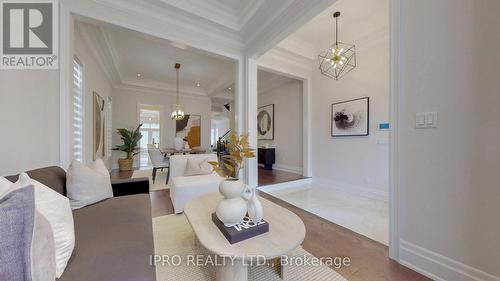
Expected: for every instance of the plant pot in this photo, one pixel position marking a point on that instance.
(125, 164)
(232, 209)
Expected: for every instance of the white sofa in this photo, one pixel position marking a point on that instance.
(183, 189)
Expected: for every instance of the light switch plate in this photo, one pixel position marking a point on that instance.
(420, 120)
(426, 120)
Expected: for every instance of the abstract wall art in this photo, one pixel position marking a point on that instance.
(350, 118)
(265, 122)
(189, 129)
(99, 126)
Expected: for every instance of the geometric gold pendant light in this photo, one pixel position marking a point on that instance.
(338, 59)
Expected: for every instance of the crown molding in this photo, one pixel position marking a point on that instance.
(159, 91)
(114, 55)
(249, 11)
(152, 19)
(209, 10)
(299, 47)
(98, 51)
(269, 13)
(220, 85)
(161, 86)
(254, 30)
(285, 61)
(273, 84)
(104, 51)
(287, 20)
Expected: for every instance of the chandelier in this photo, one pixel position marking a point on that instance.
(339, 58)
(177, 111)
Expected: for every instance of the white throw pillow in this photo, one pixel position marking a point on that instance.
(56, 209)
(195, 168)
(88, 185)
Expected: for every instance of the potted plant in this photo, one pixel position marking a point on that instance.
(233, 208)
(130, 146)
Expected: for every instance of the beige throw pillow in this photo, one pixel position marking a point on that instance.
(88, 185)
(196, 168)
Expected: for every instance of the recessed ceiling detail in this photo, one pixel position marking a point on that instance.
(136, 59)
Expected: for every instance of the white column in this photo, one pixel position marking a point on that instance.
(251, 171)
(246, 111)
(66, 31)
(306, 128)
(239, 96)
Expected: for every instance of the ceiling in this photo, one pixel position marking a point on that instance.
(360, 23)
(232, 28)
(230, 14)
(128, 53)
(240, 16)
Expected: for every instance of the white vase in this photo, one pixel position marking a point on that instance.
(232, 209)
(255, 211)
(178, 143)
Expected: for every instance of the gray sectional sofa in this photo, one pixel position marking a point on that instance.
(114, 237)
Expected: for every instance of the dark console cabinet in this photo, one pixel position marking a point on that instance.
(267, 156)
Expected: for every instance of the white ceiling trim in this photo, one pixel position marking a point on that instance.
(159, 91)
(99, 53)
(273, 83)
(183, 89)
(220, 85)
(285, 23)
(114, 56)
(284, 61)
(150, 19)
(249, 11)
(105, 54)
(256, 27)
(218, 14)
(298, 47)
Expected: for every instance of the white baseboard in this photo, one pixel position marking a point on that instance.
(439, 267)
(360, 190)
(285, 185)
(286, 168)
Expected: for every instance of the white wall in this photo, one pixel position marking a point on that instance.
(29, 119)
(356, 163)
(450, 191)
(126, 114)
(287, 100)
(94, 79)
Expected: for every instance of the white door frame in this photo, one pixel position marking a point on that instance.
(394, 94)
(306, 113)
(67, 12)
(245, 100)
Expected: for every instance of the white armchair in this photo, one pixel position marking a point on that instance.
(182, 188)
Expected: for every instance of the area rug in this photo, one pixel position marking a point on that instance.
(173, 236)
(160, 181)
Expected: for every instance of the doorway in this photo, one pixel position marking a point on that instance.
(279, 128)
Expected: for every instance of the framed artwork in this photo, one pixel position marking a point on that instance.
(189, 129)
(350, 118)
(265, 122)
(99, 126)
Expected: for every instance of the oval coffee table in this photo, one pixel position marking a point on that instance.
(286, 233)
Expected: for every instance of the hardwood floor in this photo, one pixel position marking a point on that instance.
(369, 259)
(267, 177)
